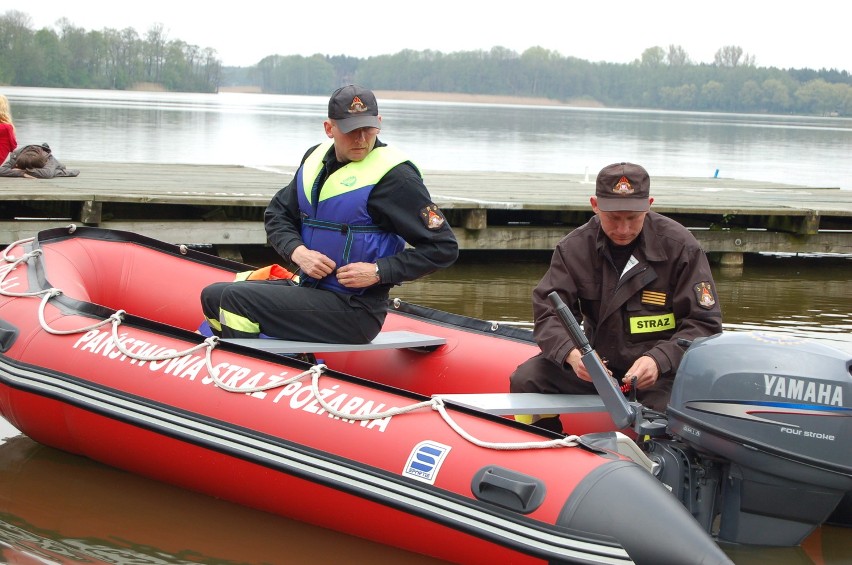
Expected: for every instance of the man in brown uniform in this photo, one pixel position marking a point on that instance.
(638, 281)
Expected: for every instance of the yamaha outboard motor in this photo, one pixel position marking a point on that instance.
(762, 428)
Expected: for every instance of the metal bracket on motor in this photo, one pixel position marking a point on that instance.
(622, 412)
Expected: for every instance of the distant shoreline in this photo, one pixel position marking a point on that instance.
(454, 97)
(479, 98)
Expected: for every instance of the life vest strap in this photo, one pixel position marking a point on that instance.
(346, 229)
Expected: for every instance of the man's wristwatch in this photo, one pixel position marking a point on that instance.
(378, 276)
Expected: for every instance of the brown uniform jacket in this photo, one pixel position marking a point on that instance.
(668, 295)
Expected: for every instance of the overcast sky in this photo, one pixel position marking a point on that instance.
(812, 34)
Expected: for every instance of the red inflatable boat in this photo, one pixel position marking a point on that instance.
(99, 357)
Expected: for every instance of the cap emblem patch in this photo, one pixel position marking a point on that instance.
(357, 106)
(623, 186)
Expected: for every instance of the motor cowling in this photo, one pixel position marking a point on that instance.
(776, 410)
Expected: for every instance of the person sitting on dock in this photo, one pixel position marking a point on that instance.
(344, 220)
(638, 281)
(8, 142)
(35, 162)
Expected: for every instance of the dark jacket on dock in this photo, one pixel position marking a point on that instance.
(48, 166)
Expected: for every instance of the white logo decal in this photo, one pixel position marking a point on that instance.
(425, 461)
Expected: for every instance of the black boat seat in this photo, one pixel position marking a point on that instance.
(396, 339)
(506, 403)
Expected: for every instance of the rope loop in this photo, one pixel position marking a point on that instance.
(9, 258)
(214, 373)
(15, 261)
(50, 293)
(440, 406)
(374, 416)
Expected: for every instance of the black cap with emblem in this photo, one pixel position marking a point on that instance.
(623, 187)
(353, 107)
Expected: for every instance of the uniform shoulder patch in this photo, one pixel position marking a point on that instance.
(432, 217)
(704, 295)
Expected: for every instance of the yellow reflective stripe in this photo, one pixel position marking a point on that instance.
(312, 167)
(352, 176)
(214, 324)
(238, 323)
(357, 174)
(647, 324)
(532, 418)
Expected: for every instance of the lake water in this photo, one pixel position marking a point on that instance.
(123, 518)
(258, 129)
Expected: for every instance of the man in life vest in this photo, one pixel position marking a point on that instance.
(638, 281)
(344, 221)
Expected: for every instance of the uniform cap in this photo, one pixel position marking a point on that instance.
(623, 187)
(353, 107)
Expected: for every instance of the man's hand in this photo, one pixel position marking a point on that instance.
(645, 370)
(575, 359)
(358, 275)
(313, 263)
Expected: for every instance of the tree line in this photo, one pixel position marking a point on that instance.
(71, 57)
(661, 78)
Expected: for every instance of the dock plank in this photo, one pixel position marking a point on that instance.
(223, 204)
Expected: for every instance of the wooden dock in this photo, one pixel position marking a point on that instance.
(222, 205)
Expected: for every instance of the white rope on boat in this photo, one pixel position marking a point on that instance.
(567, 441)
(116, 318)
(15, 262)
(214, 374)
(9, 258)
(46, 327)
(435, 403)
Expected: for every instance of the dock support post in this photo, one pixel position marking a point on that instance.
(231, 252)
(732, 263)
(731, 260)
(91, 212)
(476, 219)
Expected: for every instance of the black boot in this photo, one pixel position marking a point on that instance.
(553, 423)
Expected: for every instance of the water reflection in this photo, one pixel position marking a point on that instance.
(268, 130)
(801, 296)
(60, 508)
(829, 545)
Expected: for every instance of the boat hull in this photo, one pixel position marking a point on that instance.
(109, 368)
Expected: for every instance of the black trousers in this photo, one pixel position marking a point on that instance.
(539, 374)
(285, 311)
